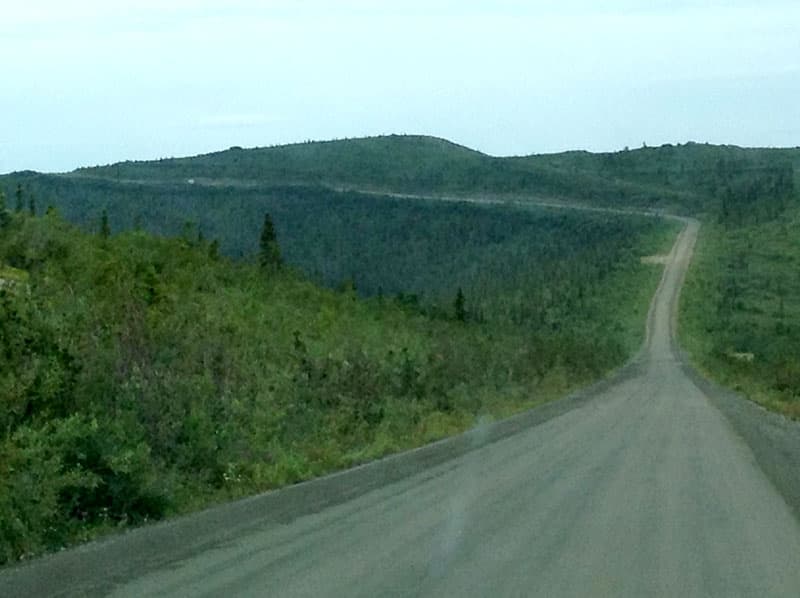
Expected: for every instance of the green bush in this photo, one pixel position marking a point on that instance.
(142, 377)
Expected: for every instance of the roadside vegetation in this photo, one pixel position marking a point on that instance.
(741, 302)
(740, 311)
(221, 325)
(144, 376)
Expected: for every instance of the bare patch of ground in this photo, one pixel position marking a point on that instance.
(655, 259)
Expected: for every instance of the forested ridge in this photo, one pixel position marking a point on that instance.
(145, 375)
(161, 195)
(156, 358)
(685, 177)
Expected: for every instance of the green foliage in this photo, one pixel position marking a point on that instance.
(741, 306)
(269, 255)
(5, 216)
(690, 178)
(105, 229)
(340, 236)
(231, 190)
(19, 195)
(459, 306)
(142, 377)
(213, 250)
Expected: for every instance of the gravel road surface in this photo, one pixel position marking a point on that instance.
(644, 488)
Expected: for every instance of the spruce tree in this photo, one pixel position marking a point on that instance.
(19, 195)
(459, 306)
(213, 250)
(5, 218)
(105, 229)
(269, 254)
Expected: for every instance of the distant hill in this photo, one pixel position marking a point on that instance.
(224, 192)
(396, 163)
(676, 177)
(383, 161)
(693, 170)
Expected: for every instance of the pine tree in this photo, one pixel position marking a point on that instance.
(270, 254)
(5, 218)
(19, 195)
(213, 250)
(105, 229)
(459, 306)
(32, 204)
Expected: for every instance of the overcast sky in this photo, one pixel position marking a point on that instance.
(96, 81)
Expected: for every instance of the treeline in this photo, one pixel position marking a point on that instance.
(691, 178)
(397, 163)
(742, 300)
(524, 266)
(683, 178)
(144, 376)
(750, 194)
(400, 163)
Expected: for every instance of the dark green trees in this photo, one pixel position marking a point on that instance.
(213, 250)
(460, 307)
(269, 257)
(4, 216)
(105, 229)
(19, 196)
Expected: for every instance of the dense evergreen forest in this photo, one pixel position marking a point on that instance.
(424, 250)
(146, 375)
(688, 178)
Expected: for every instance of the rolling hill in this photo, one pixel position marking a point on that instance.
(683, 178)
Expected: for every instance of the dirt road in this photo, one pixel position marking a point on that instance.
(644, 489)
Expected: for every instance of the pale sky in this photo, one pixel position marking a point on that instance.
(96, 81)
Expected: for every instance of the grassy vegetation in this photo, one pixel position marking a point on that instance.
(741, 307)
(146, 376)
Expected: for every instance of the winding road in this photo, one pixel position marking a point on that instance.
(643, 489)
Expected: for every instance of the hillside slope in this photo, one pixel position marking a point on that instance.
(744, 195)
(144, 376)
(683, 177)
(398, 163)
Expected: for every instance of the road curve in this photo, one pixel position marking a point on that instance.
(644, 490)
